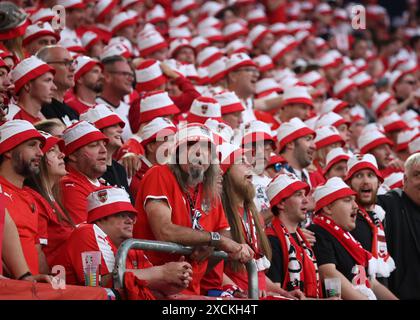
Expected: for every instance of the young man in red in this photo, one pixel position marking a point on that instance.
(34, 86)
(179, 202)
(20, 156)
(85, 161)
(110, 222)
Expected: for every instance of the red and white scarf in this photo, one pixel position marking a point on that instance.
(384, 263)
(300, 266)
(251, 238)
(362, 257)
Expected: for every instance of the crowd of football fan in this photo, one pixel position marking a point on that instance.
(285, 133)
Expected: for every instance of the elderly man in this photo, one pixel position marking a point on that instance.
(179, 203)
(403, 231)
(62, 62)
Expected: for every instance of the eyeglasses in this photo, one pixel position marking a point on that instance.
(66, 63)
(125, 215)
(123, 73)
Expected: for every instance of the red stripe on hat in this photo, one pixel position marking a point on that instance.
(383, 105)
(191, 118)
(289, 191)
(156, 47)
(108, 121)
(217, 77)
(51, 142)
(376, 143)
(39, 35)
(86, 68)
(290, 47)
(295, 135)
(260, 36)
(329, 140)
(235, 107)
(161, 133)
(298, 100)
(341, 93)
(103, 14)
(147, 116)
(125, 23)
(233, 36)
(255, 137)
(396, 126)
(214, 57)
(109, 210)
(151, 85)
(325, 201)
(361, 166)
(267, 67)
(84, 140)
(19, 138)
(335, 161)
(34, 73)
(229, 161)
(245, 63)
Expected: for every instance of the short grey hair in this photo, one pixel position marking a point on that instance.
(44, 53)
(413, 160)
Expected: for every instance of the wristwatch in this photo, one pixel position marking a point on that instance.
(214, 239)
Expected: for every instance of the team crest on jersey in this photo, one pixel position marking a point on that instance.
(102, 196)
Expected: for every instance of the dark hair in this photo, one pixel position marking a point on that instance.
(109, 61)
(275, 211)
(48, 125)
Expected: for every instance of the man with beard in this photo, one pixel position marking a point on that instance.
(402, 229)
(241, 79)
(34, 86)
(293, 264)
(179, 202)
(89, 82)
(86, 155)
(60, 59)
(20, 156)
(245, 222)
(338, 254)
(118, 82)
(297, 147)
(363, 177)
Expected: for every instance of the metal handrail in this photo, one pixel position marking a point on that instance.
(169, 247)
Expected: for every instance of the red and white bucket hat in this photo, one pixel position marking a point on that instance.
(335, 156)
(106, 202)
(155, 130)
(229, 154)
(203, 108)
(297, 94)
(371, 139)
(156, 104)
(360, 162)
(101, 117)
(39, 30)
(292, 130)
(149, 75)
(283, 186)
(84, 64)
(335, 188)
(326, 136)
(80, 134)
(229, 102)
(255, 131)
(15, 132)
(27, 70)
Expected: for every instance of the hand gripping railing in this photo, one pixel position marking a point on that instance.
(169, 247)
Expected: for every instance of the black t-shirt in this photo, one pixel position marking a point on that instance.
(61, 111)
(329, 250)
(276, 273)
(116, 176)
(402, 231)
(363, 232)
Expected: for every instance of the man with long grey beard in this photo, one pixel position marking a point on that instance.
(179, 202)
